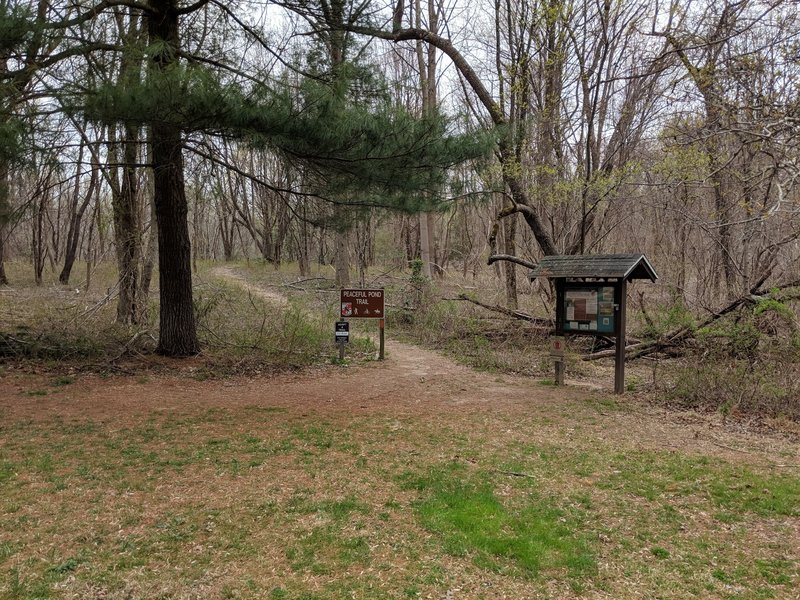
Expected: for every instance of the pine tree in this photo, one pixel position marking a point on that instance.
(365, 153)
(21, 43)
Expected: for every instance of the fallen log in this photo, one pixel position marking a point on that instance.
(516, 314)
(677, 336)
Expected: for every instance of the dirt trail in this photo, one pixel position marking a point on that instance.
(412, 381)
(231, 275)
(414, 361)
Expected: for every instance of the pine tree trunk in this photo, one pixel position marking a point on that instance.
(5, 205)
(5, 214)
(178, 334)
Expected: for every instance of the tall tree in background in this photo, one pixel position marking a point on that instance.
(595, 37)
(740, 60)
(332, 60)
(23, 49)
(426, 63)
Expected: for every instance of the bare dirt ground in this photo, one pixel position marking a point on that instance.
(411, 381)
(413, 389)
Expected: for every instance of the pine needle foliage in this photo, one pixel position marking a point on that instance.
(17, 28)
(369, 153)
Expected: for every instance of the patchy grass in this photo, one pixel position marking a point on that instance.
(198, 501)
(533, 538)
(411, 490)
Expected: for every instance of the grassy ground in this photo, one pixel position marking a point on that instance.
(417, 478)
(260, 496)
(71, 328)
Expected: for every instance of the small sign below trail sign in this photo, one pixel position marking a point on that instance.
(365, 304)
(342, 334)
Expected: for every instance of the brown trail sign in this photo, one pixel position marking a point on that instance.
(364, 304)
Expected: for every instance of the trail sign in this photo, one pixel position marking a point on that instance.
(557, 345)
(342, 334)
(363, 304)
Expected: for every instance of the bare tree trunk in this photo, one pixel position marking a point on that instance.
(90, 245)
(147, 274)
(73, 228)
(426, 61)
(342, 257)
(425, 245)
(39, 246)
(303, 251)
(364, 248)
(510, 245)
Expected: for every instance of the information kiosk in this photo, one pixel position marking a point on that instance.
(591, 291)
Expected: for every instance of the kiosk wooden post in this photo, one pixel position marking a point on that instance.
(621, 293)
(557, 347)
(382, 339)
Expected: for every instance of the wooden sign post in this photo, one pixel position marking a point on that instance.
(557, 346)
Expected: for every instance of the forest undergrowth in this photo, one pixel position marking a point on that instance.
(744, 366)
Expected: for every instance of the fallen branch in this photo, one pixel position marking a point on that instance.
(516, 474)
(294, 283)
(398, 307)
(516, 314)
(678, 336)
(514, 259)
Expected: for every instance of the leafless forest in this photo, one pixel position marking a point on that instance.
(669, 128)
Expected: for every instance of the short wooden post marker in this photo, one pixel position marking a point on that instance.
(557, 346)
